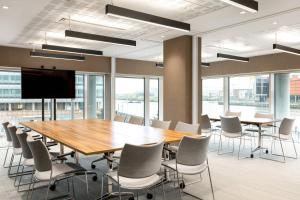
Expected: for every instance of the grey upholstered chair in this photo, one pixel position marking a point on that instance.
(26, 154)
(160, 124)
(261, 115)
(231, 128)
(17, 150)
(138, 169)
(191, 159)
(46, 171)
(120, 118)
(136, 120)
(8, 140)
(283, 134)
(189, 128)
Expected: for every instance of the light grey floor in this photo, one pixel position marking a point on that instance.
(233, 179)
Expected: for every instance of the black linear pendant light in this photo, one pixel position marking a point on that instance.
(249, 5)
(232, 57)
(286, 49)
(71, 50)
(204, 64)
(144, 17)
(101, 38)
(56, 56)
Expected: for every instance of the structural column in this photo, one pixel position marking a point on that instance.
(282, 95)
(181, 87)
(91, 97)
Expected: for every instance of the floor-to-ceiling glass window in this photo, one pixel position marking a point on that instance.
(154, 98)
(95, 96)
(249, 94)
(130, 96)
(213, 96)
(295, 96)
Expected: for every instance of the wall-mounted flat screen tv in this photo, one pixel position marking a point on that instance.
(47, 83)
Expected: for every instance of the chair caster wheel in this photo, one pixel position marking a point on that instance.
(267, 151)
(93, 166)
(131, 198)
(251, 156)
(95, 178)
(52, 187)
(182, 185)
(149, 196)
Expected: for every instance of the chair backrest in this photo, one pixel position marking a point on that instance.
(263, 115)
(8, 137)
(140, 161)
(41, 157)
(233, 114)
(160, 124)
(231, 125)
(120, 118)
(136, 120)
(192, 151)
(286, 126)
(205, 122)
(189, 128)
(22, 136)
(13, 133)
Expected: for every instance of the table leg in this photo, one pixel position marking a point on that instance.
(76, 157)
(259, 146)
(110, 167)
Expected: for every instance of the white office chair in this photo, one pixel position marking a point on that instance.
(8, 140)
(231, 128)
(191, 159)
(120, 118)
(136, 120)
(284, 134)
(160, 124)
(137, 170)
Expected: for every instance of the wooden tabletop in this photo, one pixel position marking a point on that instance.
(251, 120)
(94, 136)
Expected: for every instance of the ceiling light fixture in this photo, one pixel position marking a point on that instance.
(112, 10)
(71, 50)
(159, 65)
(204, 64)
(232, 57)
(101, 38)
(243, 12)
(56, 56)
(286, 49)
(5, 7)
(248, 5)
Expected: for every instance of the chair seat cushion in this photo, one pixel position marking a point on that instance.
(185, 169)
(134, 183)
(58, 169)
(231, 135)
(28, 162)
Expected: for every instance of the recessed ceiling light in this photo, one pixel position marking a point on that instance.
(162, 36)
(5, 7)
(274, 23)
(243, 12)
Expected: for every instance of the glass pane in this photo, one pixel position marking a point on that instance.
(295, 96)
(95, 100)
(154, 98)
(79, 100)
(212, 96)
(12, 107)
(249, 95)
(130, 96)
(63, 109)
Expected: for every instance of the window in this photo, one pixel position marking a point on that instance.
(212, 96)
(249, 94)
(130, 96)
(154, 100)
(95, 96)
(295, 95)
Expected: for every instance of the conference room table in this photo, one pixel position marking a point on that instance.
(96, 136)
(255, 121)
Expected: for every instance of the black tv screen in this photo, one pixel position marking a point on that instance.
(47, 83)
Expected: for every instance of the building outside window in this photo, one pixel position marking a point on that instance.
(154, 98)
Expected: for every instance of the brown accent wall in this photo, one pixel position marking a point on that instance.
(138, 67)
(257, 64)
(19, 57)
(178, 79)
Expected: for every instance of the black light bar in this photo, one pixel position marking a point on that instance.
(159, 64)
(56, 56)
(204, 64)
(249, 5)
(232, 57)
(101, 38)
(144, 17)
(71, 50)
(286, 49)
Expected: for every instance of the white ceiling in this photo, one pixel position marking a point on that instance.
(223, 29)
